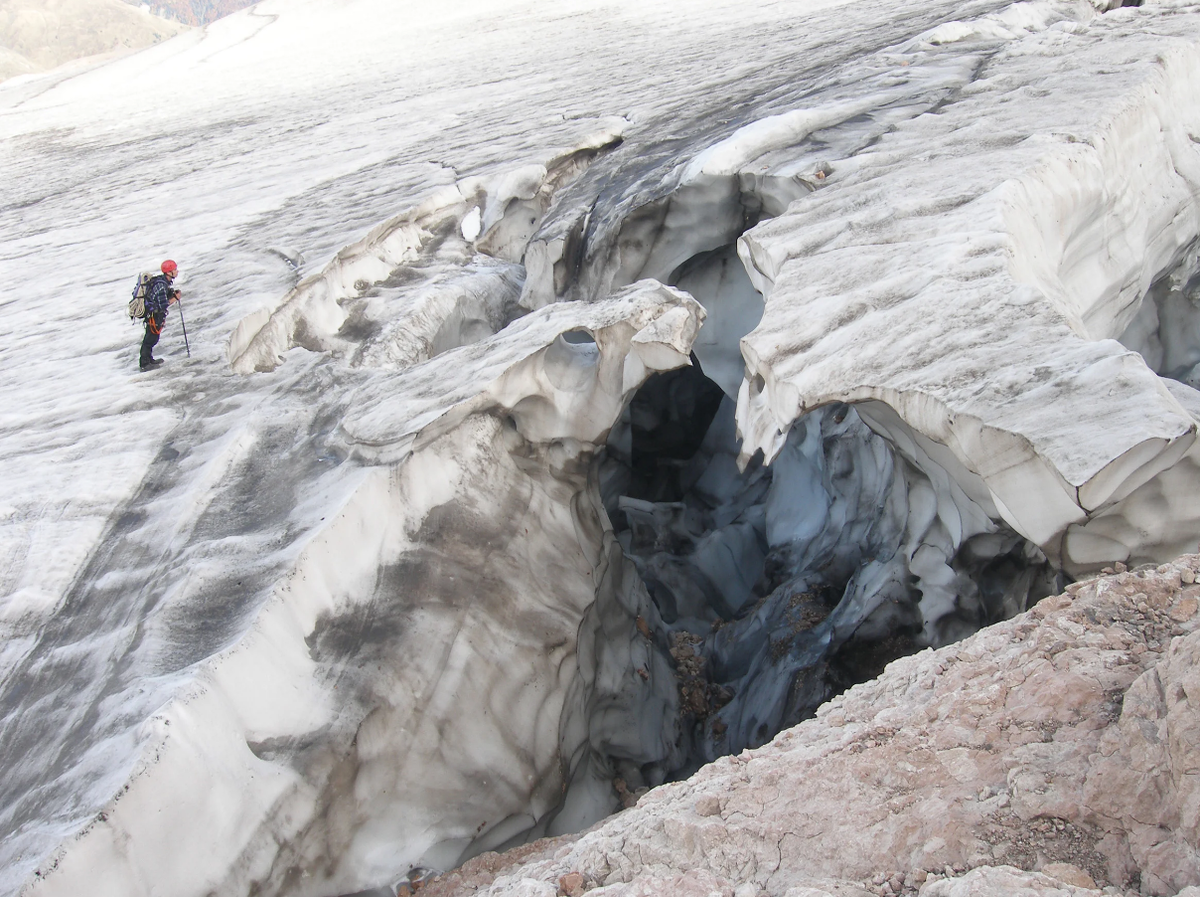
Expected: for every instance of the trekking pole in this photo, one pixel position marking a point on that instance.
(179, 302)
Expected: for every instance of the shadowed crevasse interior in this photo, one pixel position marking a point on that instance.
(735, 602)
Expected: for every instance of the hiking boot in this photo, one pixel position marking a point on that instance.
(151, 364)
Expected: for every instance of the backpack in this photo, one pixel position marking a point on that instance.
(137, 305)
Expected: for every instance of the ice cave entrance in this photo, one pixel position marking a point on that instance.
(776, 587)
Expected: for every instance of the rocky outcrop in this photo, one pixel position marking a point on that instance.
(36, 36)
(1056, 753)
(13, 63)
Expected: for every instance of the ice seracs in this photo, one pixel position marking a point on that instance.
(495, 217)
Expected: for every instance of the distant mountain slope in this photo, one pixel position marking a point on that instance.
(13, 63)
(42, 34)
(195, 12)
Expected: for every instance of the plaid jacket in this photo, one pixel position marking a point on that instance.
(158, 296)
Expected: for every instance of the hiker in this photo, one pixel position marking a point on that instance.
(159, 297)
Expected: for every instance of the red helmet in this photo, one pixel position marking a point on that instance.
(169, 267)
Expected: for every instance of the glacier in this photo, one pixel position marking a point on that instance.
(575, 395)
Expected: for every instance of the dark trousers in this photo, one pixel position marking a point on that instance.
(154, 326)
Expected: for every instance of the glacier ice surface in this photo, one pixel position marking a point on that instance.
(418, 552)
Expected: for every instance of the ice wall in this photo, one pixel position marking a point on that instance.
(394, 704)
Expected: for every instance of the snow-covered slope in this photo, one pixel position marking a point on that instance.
(350, 589)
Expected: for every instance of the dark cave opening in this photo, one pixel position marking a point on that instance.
(777, 587)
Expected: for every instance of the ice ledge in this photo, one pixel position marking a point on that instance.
(978, 291)
(579, 386)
